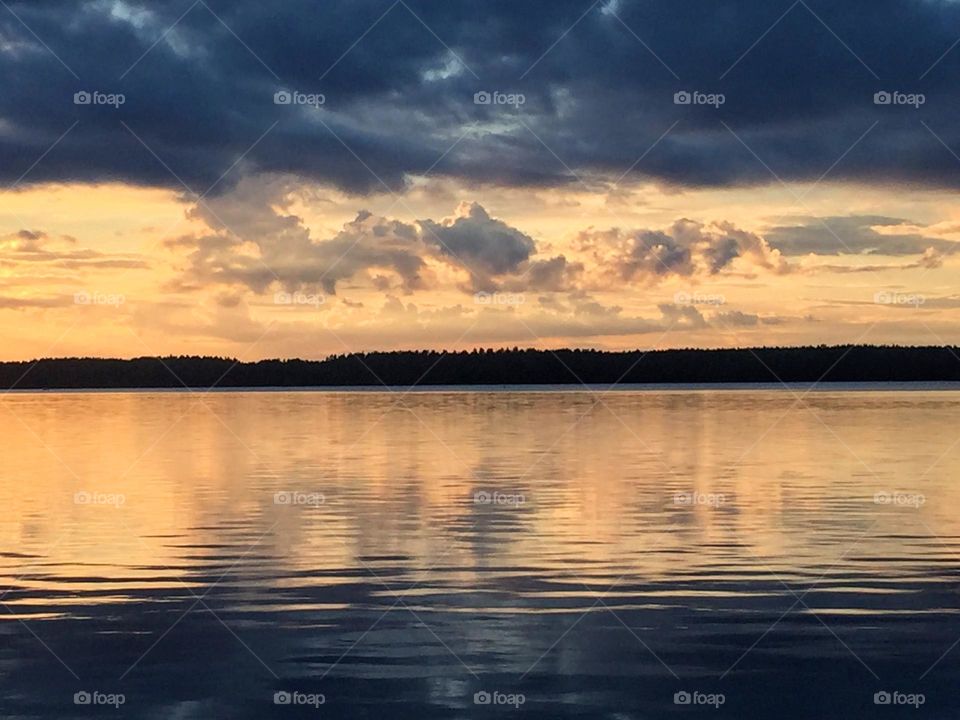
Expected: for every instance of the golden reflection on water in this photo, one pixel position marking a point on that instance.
(197, 475)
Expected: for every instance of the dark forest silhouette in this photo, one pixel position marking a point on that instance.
(499, 367)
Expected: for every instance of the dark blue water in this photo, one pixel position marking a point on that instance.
(757, 553)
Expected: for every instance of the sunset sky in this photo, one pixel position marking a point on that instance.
(253, 180)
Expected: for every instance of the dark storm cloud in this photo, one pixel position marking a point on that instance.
(399, 83)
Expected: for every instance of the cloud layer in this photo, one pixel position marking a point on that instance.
(398, 83)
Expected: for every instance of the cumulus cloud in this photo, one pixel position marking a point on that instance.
(682, 316)
(685, 249)
(555, 274)
(255, 241)
(289, 258)
(485, 246)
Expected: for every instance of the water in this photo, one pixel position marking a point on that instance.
(393, 555)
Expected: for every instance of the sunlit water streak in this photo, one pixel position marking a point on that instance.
(595, 553)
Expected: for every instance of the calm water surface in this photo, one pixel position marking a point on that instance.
(410, 556)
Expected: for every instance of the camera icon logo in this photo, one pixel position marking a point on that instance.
(882, 698)
(482, 497)
(482, 698)
(82, 698)
(682, 98)
(682, 698)
(82, 98)
(282, 97)
(282, 698)
(482, 98)
(882, 98)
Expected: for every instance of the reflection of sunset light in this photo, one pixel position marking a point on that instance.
(400, 482)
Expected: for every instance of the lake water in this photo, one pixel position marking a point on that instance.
(460, 554)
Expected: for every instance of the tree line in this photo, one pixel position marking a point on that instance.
(844, 363)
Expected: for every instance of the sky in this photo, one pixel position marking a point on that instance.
(256, 180)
